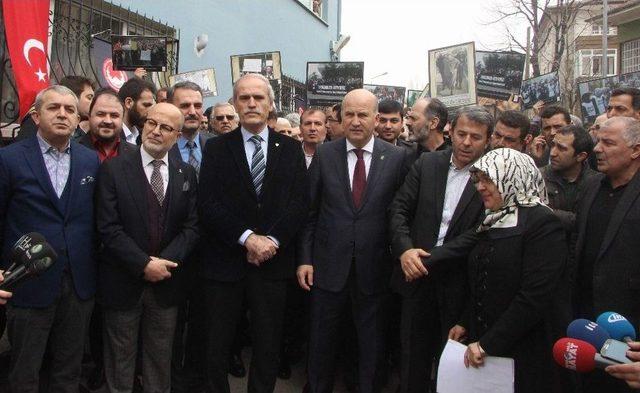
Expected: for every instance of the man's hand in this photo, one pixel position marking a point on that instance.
(259, 249)
(305, 276)
(630, 373)
(411, 264)
(4, 295)
(140, 72)
(538, 147)
(538, 107)
(457, 333)
(158, 269)
(474, 356)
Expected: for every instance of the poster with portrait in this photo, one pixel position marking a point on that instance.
(452, 75)
(383, 92)
(206, 79)
(329, 82)
(268, 64)
(499, 74)
(412, 96)
(129, 52)
(544, 88)
(594, 94)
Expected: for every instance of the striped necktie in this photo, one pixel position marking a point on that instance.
(193, 161)
(258, 164)
(157, 184)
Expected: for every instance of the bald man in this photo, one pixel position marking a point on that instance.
(147, 221)
(345, 259)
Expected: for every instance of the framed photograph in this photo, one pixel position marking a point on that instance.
(395, 93)
(267, 64)
(499, 74)
(594, 94)
(129, 52)
(329, 82)
(544, 88)
(412, 96)
(452, 75)
(206, 79)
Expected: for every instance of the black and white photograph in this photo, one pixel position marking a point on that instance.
(545, 88)
(452, 75)
(267, 64)
(395, 93)
(206, 79)
(136, 51)
(595, 94)
(412, 96)
(329, 82)
(499, 74)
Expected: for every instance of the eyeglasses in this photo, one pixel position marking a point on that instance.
(228, 117)
(166, 129)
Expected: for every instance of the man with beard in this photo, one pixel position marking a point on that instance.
(426, 121)
(138, 95)
(223, 118)
(105, 126)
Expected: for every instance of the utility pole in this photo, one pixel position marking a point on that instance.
(605, 37)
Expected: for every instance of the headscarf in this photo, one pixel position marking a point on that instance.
(519, 181)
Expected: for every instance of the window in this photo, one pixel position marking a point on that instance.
(597, 30)
(631, 56)
(589, 62)
(315, 6)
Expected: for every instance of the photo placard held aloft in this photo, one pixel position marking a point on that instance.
(544, 88)
(129, 52)
(206, 79)
(499, 74)
(267, 64)
(383, 92)
(452, 74)
(329, 82)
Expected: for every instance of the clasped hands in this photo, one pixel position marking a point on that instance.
(474, 356)
(259, 249)
(412, 265)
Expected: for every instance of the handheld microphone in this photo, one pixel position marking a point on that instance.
(578, 355)
(618, 327)
(22, 247)
(33, 261)
(586, 330)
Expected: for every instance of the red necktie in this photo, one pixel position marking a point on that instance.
(359, 179)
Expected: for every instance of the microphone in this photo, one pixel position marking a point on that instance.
(578, 355)
(35, 260)
(22, 247)
(586, 330)
(618, 327)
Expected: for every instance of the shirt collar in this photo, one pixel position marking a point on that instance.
(45, 146)
(264, 134)
(182, 140)
(130, 131)
(368, 147)
(455, 169)
(147, 158)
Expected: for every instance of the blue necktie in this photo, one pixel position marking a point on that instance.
(258, 164)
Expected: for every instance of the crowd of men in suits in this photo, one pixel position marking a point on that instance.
(167, 234)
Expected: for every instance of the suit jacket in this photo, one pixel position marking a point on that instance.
(203, 137)
(616, 272)
(123, 147)
(336, 233)
(122, 223)
(29, 203)
(415, 217)
(228, 205)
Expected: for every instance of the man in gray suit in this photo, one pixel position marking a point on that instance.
(345, 260)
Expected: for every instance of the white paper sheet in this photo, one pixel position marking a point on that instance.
(496, 376)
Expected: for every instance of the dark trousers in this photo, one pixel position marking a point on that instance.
(62, 326)
(266, 300)
(328, 310)
(156, 326)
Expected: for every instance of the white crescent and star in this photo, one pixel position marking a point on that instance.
(32, 43)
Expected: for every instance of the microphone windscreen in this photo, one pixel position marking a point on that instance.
(40, 265)
(588, 331)
(617, 326)
(575, 354)
(23, 244)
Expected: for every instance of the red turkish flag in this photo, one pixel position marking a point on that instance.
(26, 27)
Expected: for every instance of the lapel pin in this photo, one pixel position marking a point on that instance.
(277, 144)
(180, 170)
(382, 157)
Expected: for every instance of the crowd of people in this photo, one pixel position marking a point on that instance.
(356, 238)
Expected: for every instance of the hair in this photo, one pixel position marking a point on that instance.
(436, 108)
(337, 108)
(294, 119)
(388, 106)
(77, 83)
(105, 91)
(182, 85)
(134, 87)
(162, 89)
(272, 95)
(476, 114)
(550, 111)
(60, 89)
(582, 141)
(515, 119)
(273, 115)
(630, 131)
(310, 112)
(632, 91)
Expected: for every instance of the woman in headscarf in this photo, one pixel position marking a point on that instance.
(516, 257)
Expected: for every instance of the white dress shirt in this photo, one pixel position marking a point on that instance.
(147, 165)
(456, 182)
(130, 134)
(352, 158)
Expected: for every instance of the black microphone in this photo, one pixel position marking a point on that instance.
(33, 261)
(22, 247)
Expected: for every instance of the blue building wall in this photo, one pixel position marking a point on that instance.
(245, 26)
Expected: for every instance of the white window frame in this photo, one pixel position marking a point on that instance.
(596, 29)
(595, 54)
(630, 61)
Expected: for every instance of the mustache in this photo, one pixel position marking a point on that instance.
(107, 125)
(192, 117)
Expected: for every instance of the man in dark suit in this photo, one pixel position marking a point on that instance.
(46, 185)
(607, 275)
(436, 203)
(345, 253)
(138, 95)
(426, 120)
(253, 199)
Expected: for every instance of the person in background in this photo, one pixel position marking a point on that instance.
(138, 96)
(624, 102)
(553, 118)
(512, 130)
(314, 132)
(334, 122)
(223, 118)
(161, 95)
(391, 123)
(427, 120)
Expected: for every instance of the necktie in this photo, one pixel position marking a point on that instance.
(258, 164)
(193, 161)
(359, 179)
(157, 184)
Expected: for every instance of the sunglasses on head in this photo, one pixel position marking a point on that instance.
(222, 117)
